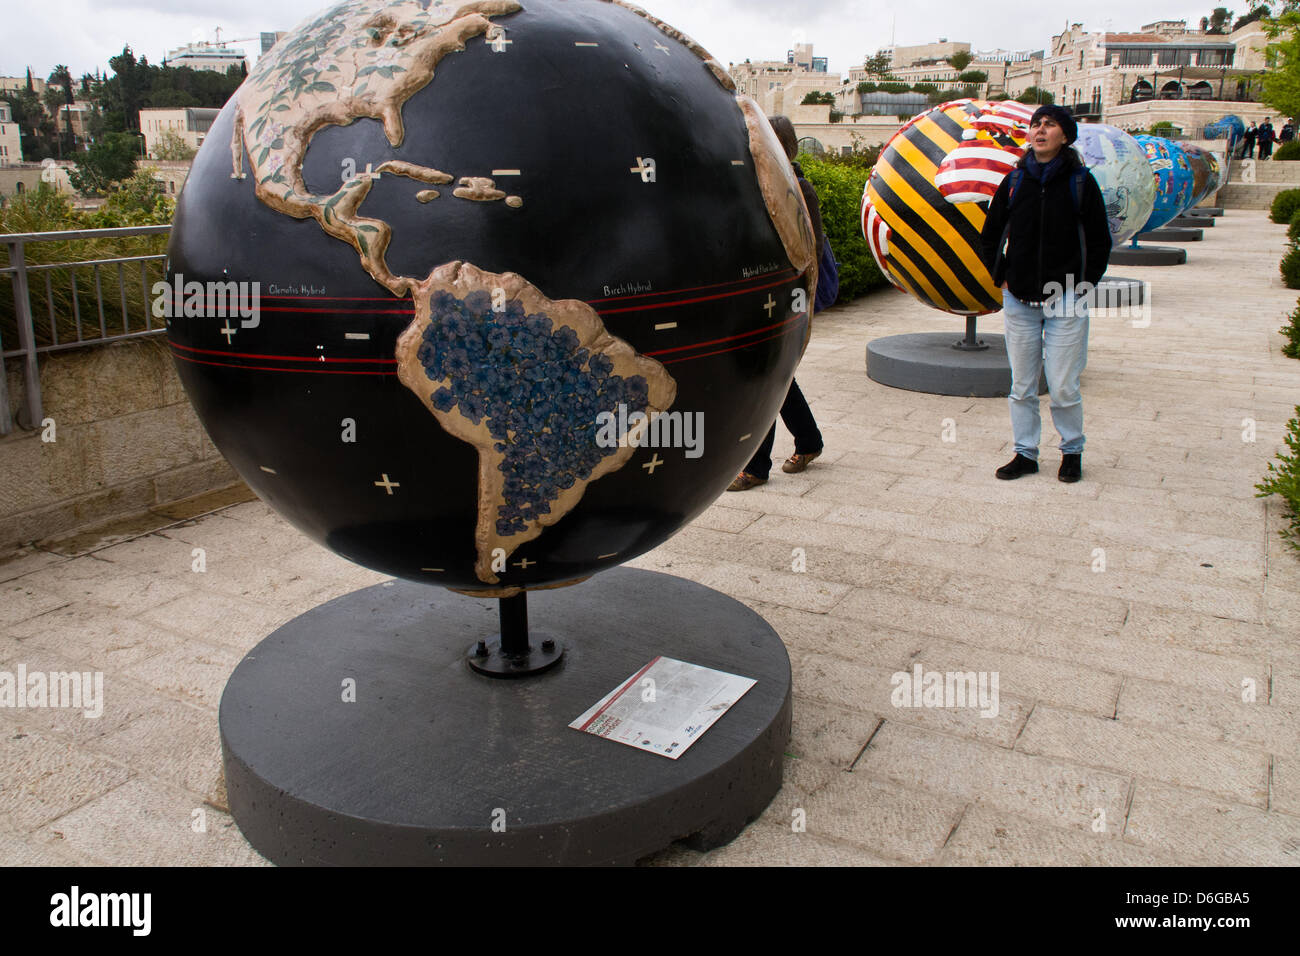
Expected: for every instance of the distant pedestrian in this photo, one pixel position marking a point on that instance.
(1287, 134)
(1265, 137)
(795, 413)
(1248, 149)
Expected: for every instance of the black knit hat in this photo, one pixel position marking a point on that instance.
(1063, 119)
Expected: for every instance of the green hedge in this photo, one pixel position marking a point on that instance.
(839, 183)
(1287, 151)
(1284, 205)
(1292, 332)
(1283, 479)
(1290, 266)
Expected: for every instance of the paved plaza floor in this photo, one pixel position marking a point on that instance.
(1143, 624)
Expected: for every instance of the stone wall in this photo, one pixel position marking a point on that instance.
(126, 440)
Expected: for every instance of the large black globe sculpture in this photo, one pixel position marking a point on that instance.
(545, 233)
(531, 282)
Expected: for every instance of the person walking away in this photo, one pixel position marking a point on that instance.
(1046, 234)
(1287, 134)
(795, 413)
(1264, 135)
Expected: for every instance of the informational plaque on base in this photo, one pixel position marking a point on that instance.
(664, 707)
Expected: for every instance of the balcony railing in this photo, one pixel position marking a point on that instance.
(105, 296)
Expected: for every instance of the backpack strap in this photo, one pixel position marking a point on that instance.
(1076, 190)
(1013, 178)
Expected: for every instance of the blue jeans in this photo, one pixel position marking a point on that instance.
(1051, 339)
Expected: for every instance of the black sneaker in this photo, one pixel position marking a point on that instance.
(1071, 468)
(1020, 465)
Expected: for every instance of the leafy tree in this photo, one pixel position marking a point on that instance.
(816, 98)
(878, 65)
(866, 86)
(1035, 95)
(1281, 84)
(171, 146)
(111, 160)
(137, 200)
(974, 76)
(960, 60)
(894, 87)
(35, 127)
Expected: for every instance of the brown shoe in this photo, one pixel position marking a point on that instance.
(797, 463)
(744, 481)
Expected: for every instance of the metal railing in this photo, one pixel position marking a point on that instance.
(61, 324)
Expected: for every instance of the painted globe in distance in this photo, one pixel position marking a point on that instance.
(533, 283)
(1173, 179)
(926, 199)
(1206, 173)
(1119, 164)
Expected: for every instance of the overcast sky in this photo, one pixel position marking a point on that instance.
(85, 33)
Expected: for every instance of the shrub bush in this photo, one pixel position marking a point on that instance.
(1287, 151)
(1284, 206)
(137, 202)
(974, 76)
(839, 183)
(894, 88)
(1283, 479)
(866, 86)
(1290, 266)
(1292, 333)
(1293, 230)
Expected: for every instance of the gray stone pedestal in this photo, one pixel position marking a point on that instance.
(433, 763)
(928, 362)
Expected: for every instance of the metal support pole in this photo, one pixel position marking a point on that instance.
(971, 342)
(514, 625)
(31, 414)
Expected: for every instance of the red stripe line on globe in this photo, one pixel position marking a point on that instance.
(273, 308)
(785, 273)
(703, 298)
(280, 358)
(266, 368)
(737, 348)
(729, 338)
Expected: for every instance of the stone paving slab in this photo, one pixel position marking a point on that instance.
(1125, 616)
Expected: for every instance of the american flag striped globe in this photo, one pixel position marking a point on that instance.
(925, 201)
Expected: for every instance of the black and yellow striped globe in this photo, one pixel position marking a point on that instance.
(927, 242)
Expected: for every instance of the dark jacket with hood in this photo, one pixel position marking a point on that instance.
(1043, 245)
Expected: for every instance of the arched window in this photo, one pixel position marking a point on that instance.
(1173, 90)
(1142, 90)
(19, 187)
(1200, 91)
(809, 145)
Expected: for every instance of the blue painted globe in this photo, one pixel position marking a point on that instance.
(1174, 179)
(1119, 164)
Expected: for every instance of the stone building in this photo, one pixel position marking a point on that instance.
(191, 124)
(1095, 73)
(779, 86)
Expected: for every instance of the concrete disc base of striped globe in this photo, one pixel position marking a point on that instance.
(1206, 212)
(927, 362)
(1148, 256)
(1192, 222)
(1117, 292)
(1167, 234)
(426, 762)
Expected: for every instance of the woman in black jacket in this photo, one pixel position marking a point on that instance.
(1046, 241)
